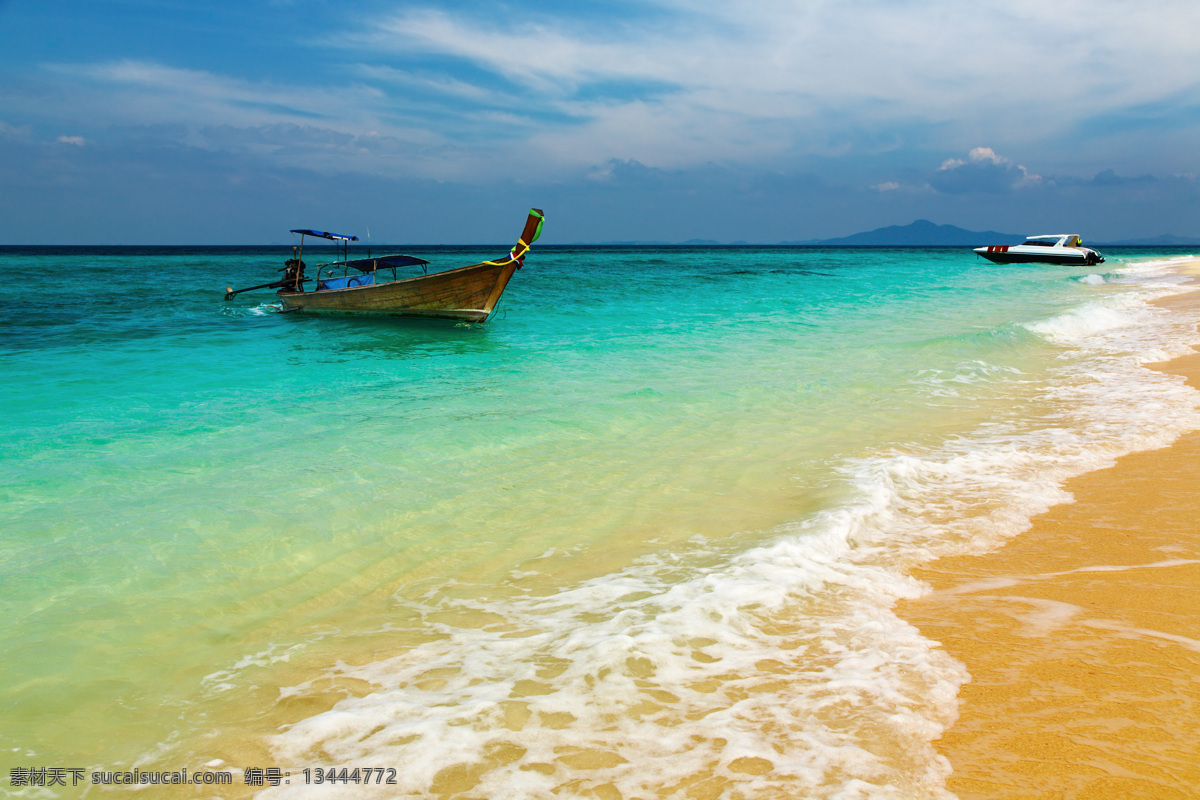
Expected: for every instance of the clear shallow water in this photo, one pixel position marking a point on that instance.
(639, 534)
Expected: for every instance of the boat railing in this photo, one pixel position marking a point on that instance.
(345, 265)
(370, 266)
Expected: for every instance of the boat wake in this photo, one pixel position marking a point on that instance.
(260, 310)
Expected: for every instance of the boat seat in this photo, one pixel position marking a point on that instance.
(349, 281)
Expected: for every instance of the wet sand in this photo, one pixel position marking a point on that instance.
(1082, 637)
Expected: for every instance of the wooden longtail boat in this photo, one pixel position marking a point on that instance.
(362, 286)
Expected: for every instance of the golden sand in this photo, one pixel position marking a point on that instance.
(1082, 637)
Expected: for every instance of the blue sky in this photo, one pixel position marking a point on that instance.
(129, 121)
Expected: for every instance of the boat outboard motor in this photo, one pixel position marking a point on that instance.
(293, 275)
(293, 279)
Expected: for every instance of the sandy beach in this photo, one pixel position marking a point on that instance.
(1082, 637)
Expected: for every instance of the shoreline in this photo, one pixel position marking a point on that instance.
(1082, 636)
(983, 766)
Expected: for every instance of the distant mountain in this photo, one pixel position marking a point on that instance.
(924, 233)
(921, 233)
(631, 243)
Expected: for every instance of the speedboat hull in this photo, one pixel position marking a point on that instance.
(1023, 254)
(1044, 248)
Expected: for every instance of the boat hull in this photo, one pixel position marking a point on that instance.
(1004, 254)
(467, 293)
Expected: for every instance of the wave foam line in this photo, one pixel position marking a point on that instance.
(781, 669)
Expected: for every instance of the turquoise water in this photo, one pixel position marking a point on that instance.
(640, 533)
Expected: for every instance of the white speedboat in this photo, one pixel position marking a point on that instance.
(1050, 248)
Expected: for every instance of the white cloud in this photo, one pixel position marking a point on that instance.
(326, 129)
(688, 82)
(78, 141)
(983, 170)
(19, 132)
(978, 155)
(143, 92)
(747, 83)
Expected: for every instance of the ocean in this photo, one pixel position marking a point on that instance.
(640, 535)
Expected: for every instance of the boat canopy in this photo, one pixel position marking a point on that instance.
(1047, 239)
(372, 264)
(325, 235)
(401, 261)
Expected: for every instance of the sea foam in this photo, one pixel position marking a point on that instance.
(780, 669)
